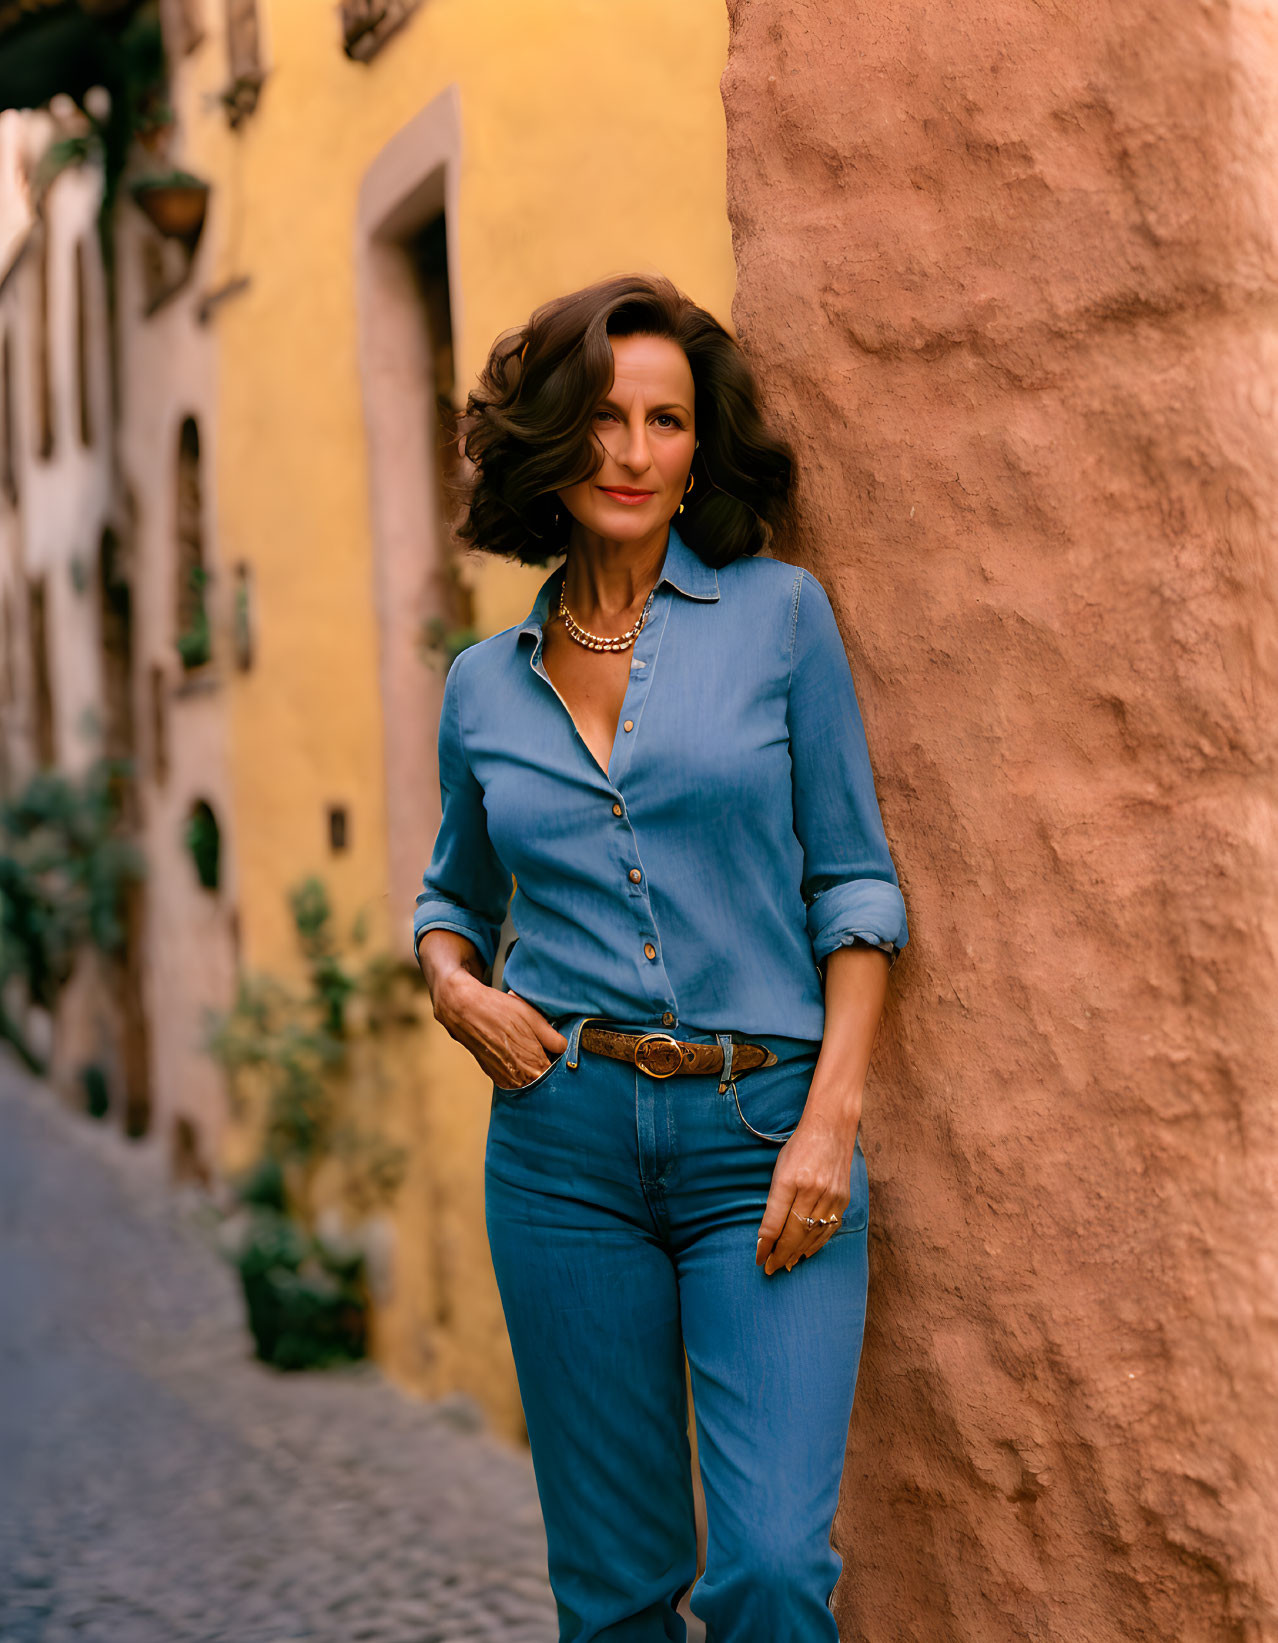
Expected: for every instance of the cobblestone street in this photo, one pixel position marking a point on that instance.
(157, 1485)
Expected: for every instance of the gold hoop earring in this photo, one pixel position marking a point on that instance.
(691, 481)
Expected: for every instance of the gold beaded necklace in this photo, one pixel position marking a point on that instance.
(596, 641)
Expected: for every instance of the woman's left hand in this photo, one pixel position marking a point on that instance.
(813, 1170)
(810, 1178)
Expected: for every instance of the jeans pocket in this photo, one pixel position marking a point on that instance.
(768, 1102)
(524, 1089)
(769, 1111)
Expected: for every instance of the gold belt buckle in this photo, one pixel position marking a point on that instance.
(660, 1038)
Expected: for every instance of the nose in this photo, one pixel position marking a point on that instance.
(634, 450)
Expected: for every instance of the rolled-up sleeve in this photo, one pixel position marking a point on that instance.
(850, 885)
(465, 888)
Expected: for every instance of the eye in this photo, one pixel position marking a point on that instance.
(666, 416)
(603, 413)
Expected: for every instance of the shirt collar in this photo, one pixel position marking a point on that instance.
(682, 567)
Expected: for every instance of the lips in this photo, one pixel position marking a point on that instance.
(623, 494)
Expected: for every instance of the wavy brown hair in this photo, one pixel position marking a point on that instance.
(528, 425)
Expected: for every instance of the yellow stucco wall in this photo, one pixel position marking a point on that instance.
(592, 142)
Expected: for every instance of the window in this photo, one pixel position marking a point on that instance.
(41, 682)
(115, 625)
(43, 368)
(368, 24)
(8, 685)
(83, 387)
(8, 433)
(204, 844)
(184, 19)
(159, 726)
(244, 617)
(194, 638)
(243, 45)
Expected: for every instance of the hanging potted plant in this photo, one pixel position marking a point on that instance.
(174, 202)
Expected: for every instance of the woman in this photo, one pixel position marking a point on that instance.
(668, 762)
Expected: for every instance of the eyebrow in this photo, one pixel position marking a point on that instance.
(670, 405)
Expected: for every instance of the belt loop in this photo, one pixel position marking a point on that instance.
(725, 1044)
(574, 1039)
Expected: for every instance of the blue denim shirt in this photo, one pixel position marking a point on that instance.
(734, 842)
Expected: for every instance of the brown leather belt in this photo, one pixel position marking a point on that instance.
(661, 1056)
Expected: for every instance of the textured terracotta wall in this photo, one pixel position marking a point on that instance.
(1008, 271)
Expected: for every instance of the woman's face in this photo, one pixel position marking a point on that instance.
(645, 425)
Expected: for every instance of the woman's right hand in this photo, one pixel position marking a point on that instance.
(512, 1042)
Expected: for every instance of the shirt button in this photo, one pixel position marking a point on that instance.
(649, 950)
(616, 809)
(667, 1020)
(635, 875)
(629, 725)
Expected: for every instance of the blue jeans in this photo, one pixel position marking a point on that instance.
(622, 1213)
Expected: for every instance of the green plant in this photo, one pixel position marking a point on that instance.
(305, 1300)
(65, 866)
(243, 626)
(204, 843)
(172, 178)
(262, 1186)
(195, 643)
(157, 116)
(239, 97)
(307, 1305)
(62, 154)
